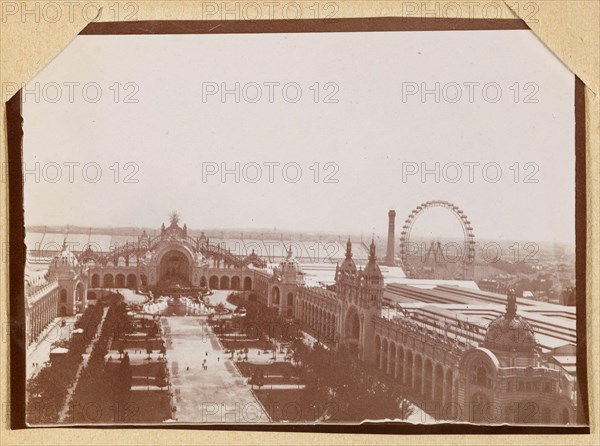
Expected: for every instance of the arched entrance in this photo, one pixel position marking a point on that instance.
(248, 284)
(352, 331)
(213, 283)
(392, 360)
(108, 281)
(275, 296)
(408, 376)
(479, 404)
(235, 283)
(132, 281)
(175, 268)
(449, 382)
(418, 374)
(224, 283)
(401, 365)
(79, 297)
(95, 281)
(438, 387)
(427, 388)
(120, 281)
(384, 355)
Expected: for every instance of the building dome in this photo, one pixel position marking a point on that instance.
(510, 332)
(289, 270)
(65, 260)
(290, 264)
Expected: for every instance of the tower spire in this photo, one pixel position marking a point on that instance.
(372, 253)
(348, 249)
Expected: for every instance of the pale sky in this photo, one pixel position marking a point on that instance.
(370, 133)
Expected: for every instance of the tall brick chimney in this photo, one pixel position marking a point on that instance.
(389, 259)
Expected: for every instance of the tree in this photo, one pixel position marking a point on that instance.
(340, 380)
(123, 378)
(153, 330)
(258, 378)
(299, 351)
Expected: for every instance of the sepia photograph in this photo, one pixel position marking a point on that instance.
(248, 225)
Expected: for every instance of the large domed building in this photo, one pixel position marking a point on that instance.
(507, 379)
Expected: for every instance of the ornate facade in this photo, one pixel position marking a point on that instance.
(172, 262)
(504, 379)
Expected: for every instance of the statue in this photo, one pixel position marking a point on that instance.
(174, 219)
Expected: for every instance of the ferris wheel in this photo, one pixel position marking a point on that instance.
(464, 257)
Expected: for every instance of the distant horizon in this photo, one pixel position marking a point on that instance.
(135, 230)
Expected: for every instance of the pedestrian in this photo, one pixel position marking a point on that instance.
(218, 358)
(188, 368)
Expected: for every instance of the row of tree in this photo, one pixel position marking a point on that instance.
(107, 384)
(99, 385)
(47, 390)
(264, 322)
